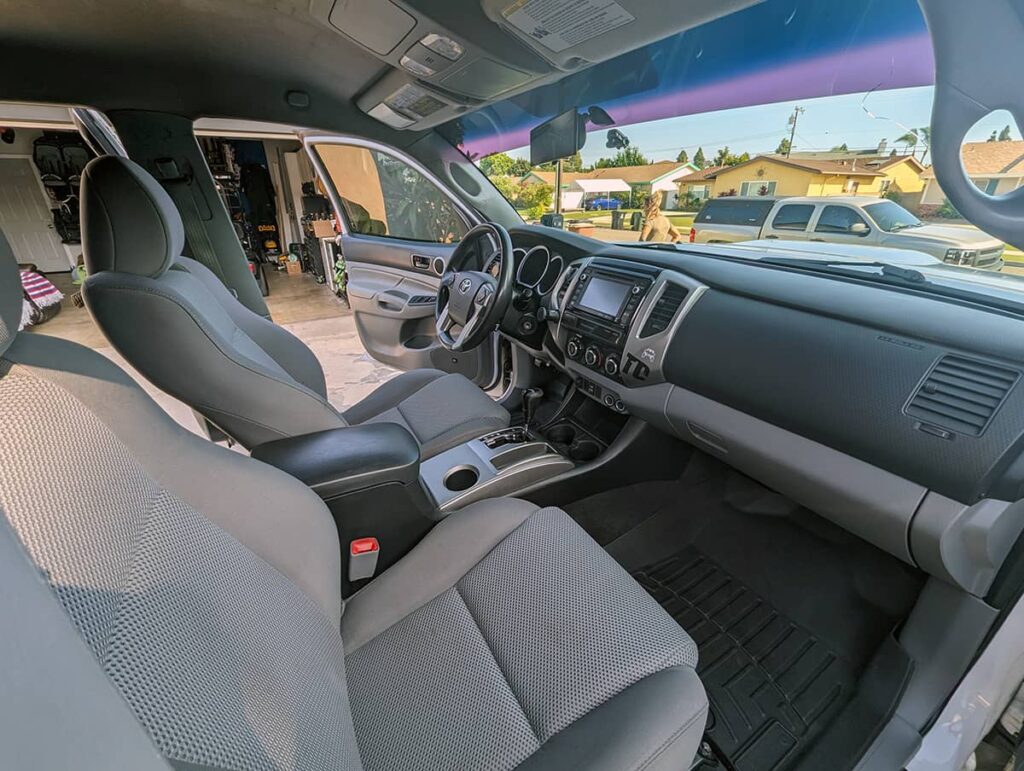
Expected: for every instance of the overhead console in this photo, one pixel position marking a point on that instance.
(446, 59)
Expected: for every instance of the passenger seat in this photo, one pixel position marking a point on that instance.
(151, 579)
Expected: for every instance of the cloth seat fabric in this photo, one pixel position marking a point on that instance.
(175, 321)
(203, 588)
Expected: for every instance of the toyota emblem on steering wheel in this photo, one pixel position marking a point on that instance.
(465, 285)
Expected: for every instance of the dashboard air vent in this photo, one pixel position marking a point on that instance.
(569, 273)
(664, 310)
(961, 394)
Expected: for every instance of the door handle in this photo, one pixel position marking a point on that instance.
(389, 305)
(770, 238)
(819, 240)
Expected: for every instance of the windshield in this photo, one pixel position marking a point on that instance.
(813, 116)
(891, 217)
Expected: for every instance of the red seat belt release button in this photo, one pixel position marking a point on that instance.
(362, 558)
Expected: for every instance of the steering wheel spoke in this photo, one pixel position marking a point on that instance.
(473, 301)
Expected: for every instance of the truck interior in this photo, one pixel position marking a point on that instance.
(628, 506)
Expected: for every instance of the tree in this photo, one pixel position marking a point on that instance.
(726, 158)
(682, 157)
(698, 159)
(1004, 135)
(909, 139)
(536, 198)
(785, 146)
(627, 156)
(573, 163)
(843, 148)
(503, 164)
(992, 137)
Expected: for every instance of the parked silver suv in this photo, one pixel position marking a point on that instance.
(843, 220)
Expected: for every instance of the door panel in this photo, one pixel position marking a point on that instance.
(393, 305)
(400, 227)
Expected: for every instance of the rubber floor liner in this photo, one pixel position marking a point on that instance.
(773, 685)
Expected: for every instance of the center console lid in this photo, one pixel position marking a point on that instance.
(342, 460)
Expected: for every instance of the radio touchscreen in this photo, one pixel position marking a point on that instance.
(604, 296)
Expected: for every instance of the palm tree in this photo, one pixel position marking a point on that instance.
(909, 139)
(912, 137)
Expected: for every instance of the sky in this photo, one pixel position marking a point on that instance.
(859, 120)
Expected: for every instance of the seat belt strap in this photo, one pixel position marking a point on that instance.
(179, 187)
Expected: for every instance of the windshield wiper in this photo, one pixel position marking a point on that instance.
(892, 273)
(904, 226)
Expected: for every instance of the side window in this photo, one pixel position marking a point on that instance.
(793, 216)
(839, 219)
(384, 196)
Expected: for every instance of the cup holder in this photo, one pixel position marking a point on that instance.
(584, 450)
(461, 478)
(563, 434)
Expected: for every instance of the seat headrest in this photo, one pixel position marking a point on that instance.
(10, 295)
(129, 223)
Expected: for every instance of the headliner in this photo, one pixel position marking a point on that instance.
(190, 57)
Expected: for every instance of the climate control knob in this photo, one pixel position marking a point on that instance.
(611, 365)
(573, 348)
(592, 356)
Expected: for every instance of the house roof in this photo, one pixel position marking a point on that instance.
(548, 177)
(701, 174)
(652, 172)
(989, 159)
(813, 165)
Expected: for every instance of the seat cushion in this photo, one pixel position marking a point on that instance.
(508, 636)
(440, 410)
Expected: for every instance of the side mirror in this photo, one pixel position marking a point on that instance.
(859, 229)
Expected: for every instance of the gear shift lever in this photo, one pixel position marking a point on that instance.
(532, 397)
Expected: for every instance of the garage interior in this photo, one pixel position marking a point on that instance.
(269, 188)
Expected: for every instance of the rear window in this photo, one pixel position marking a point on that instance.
(725, 212)
(793, 216)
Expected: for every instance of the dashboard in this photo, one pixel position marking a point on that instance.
(895, 413)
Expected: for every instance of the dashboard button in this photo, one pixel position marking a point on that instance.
(592, 356)
(573, 348)
(611, 365)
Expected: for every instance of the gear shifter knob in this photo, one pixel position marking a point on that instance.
(531, 400)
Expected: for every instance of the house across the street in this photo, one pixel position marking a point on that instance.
(995, 167)
(816, 174)
(632, 180)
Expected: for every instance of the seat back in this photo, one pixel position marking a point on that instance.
(166, 573)
(174, 321)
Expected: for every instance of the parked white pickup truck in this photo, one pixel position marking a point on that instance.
(842, 220)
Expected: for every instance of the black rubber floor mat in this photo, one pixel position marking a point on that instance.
(772, 684)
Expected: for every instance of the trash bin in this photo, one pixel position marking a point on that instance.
(552, 221)
(636, 220)
(618, 219)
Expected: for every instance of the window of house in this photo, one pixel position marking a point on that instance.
(700, 192)
(838, 219)
(794, 216)
(384, 196)
(758, 187)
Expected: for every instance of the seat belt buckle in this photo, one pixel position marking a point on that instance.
(362, 558)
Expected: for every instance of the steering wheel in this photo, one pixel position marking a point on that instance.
(471, 303)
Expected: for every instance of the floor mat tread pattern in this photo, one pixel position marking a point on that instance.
(773, 685)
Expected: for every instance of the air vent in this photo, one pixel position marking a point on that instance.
(569, 273)
(422, 299)
(961, 394)
(664, 310)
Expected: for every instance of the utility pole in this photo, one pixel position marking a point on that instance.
(797, 112)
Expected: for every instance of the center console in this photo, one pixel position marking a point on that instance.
(601, 307)
(499, 463)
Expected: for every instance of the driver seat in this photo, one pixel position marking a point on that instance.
(173, 320)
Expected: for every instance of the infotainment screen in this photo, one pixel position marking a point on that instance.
(604, 296)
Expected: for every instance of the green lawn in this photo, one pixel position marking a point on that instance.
(679, 219)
